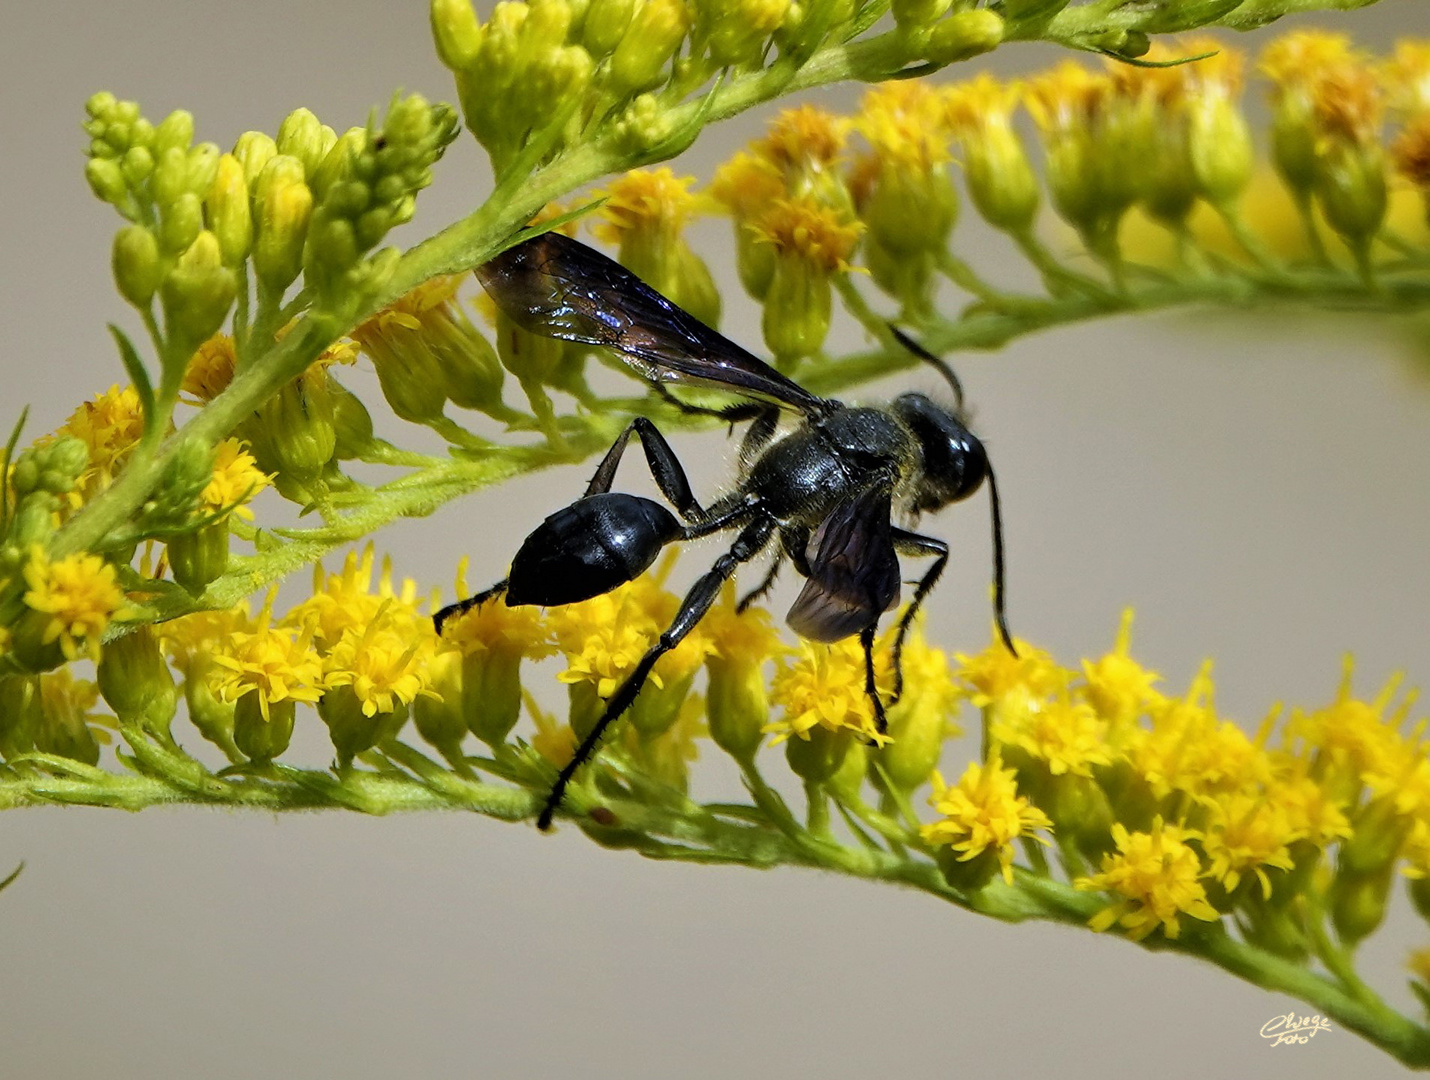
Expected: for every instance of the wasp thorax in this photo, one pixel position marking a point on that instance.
(954, 461)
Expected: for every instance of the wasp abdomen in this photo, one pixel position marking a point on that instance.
(590, 548)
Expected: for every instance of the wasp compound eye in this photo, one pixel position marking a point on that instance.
(589, 548)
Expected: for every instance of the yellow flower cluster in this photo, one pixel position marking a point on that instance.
(1184, 814)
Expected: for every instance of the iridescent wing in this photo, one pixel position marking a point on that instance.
(559, 287)
(853, 571)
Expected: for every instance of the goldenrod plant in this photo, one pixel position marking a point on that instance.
(136, 574)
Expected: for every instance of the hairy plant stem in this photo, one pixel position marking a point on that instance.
(662, 824)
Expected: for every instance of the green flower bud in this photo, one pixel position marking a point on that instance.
(180, 222)
(605, 26)
(754, 261)
(456, 31)
(471, 369)
(137, 265)
(440, 720)
(645, 124)
(175, 131)
(254, 150)
(917, 731)
(1272, 926)
(1379, 834)
(198, 293)
(1293, 141)
(964, 34)
(199, 557)
(170, 178)
(1169, 183)
(491, 694)
(657, 708)
(28, 645)
(303, 136)
(261, 738)
(21, 714)
(654, 35)
(1358, 903)
(136, 682)
(1080, 813)
(919, 12)
(106, 180)
(229, 214)
(1350, 184)
(65, 729)
(60, 464)
(1000, 179)
(137, 165)
(282, 206)
(1219, 143)
(737, 706)
(34, 520)
(817, 758)
(293, 433)
(212, 717)
(911, 211)
(968, 875)
(337, 163)
(352, 731)
(1419, 889)
(798, 306)
(847, 783)
(352, 423)
(202, 167)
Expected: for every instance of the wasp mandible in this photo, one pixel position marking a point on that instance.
(823, 492)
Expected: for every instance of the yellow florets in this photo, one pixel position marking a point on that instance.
(278, 663)
(236, 480)
(747, 184)
(384, 667)
(968, 107)
(1406, 77)
(1068, 736)
(79, 593)
(803, 137)
(497, 627)
(1347, 104)
(1246, 835)
(904, 123)
(983, 812)
(816, 234)
(654, 200)
(110, 427)
(1297, 59)
(823, 686)
(411, 311)
(1158, 876)
(211, 368)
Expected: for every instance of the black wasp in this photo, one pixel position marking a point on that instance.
(824, 492)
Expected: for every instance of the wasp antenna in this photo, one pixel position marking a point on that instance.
(935, 362)
(1000, 613)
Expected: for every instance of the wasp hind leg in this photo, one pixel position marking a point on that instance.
(697, 602)
(451, 611)
(665, 468)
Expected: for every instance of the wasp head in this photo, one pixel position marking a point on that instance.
(953, 462)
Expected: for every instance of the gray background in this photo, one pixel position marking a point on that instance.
(1257, 488)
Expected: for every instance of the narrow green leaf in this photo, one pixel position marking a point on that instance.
(5, 469)
(138, 375)
(11, 879)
